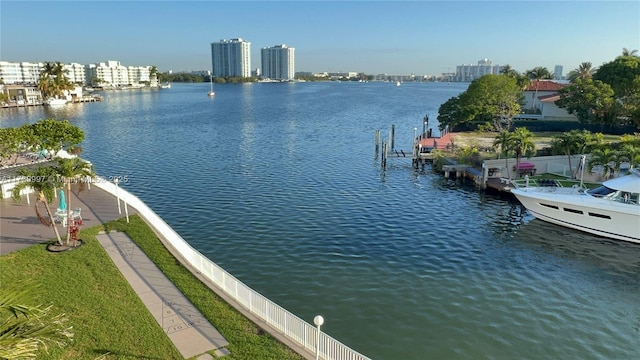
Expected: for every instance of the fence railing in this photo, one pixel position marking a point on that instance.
(296, 329)
(559, 169)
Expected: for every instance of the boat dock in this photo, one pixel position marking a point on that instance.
(87, 98)
(494, 174)
(74, 100)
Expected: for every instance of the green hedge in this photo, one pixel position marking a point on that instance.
(563, 126)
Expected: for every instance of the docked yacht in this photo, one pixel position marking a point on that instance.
(55, 101)
(611, 210)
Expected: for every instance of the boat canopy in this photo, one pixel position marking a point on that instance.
(629, 183)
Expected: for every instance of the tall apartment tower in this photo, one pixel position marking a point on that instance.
(231, 58)
(557, 72)
(468, 73)
(278, 62)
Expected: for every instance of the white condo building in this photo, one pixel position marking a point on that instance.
(278, 62)
(110, 74)
(20, 72)
(231, 58)
(557, 72)
(75, 73)
(468, 73)
(114, 74)
(29, 73)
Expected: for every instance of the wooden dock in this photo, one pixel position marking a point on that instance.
(443, 142)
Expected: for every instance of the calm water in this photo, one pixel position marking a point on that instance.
(278, 183)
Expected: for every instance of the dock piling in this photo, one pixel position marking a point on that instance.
(393, 135)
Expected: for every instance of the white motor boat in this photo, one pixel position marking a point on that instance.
(54, 102)
(211, 92)
(611, 210)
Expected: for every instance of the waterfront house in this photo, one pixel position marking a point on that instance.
(540, 101)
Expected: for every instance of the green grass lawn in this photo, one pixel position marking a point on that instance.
(109, 320)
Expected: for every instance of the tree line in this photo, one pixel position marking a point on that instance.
(606, 96)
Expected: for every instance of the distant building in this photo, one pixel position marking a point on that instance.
(75, 73)
(468, 73)
(231, 58)
(557, 72)
(114, 74)
(29, 73)
(22, 94)
(20, 72)
(109, 74)
(278, 62)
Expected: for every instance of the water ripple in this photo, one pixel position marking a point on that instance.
(279, 185)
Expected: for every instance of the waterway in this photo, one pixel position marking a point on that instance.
(280, 185)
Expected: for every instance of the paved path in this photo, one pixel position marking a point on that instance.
(19, 226)
(187, 328)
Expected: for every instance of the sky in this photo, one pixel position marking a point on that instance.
(374, 37)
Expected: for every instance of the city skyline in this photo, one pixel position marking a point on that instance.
(393, 37)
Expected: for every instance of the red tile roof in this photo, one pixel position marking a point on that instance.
(545, 85)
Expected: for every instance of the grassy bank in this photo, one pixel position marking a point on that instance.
(109, 320)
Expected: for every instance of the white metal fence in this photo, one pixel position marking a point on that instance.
(559, 169)
(289, 324)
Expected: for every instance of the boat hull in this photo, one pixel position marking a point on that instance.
(580, 211)
(56, 102)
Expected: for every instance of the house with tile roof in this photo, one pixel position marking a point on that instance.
(540, 102)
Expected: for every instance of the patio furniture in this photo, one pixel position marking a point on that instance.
(61, 217)
(76, 213)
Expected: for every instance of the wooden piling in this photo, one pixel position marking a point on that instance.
(393, 136)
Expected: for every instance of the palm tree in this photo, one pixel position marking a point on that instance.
(522, 143)
(503, 141)
(45, 84)
(71, 170)
(508, 70)
(569, 143)
(583, 71)
(43, 180)
(24, 328)
(608, 158)
(539, 73)
(53, 80)
(627, 52)
(630, 154)
(522, 80)
(153, 75)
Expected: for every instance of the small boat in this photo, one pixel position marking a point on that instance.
(211, 93)
(397, 83)
(611, 210)
(165, 86)
(55, 101)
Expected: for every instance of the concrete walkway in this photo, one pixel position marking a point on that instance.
(19, 226)
(187, 328)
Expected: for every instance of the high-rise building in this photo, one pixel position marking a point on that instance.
(468, 73)
(278, 62)
(231, 58)
(557, 72)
